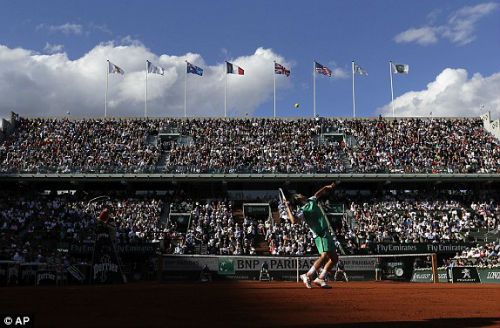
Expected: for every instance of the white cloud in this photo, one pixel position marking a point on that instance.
(461, 25)
(67, 29)
(459, 28)
(340, 73)
(451, 94)
(53, 48)
(34, 84)
(422, 36)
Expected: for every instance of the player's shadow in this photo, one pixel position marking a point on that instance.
(432, 323)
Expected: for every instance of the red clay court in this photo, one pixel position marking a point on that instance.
(259, 304)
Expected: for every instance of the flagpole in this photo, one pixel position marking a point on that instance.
(353, 93)
(225, 95)
(106, 92)
(146, 93)
(314, 88)
(274, 80)
(392, 90)
(185, 90)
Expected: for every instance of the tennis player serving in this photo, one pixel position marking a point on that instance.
(312, 214)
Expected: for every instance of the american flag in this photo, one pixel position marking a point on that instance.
(280, 69)
(322, 69)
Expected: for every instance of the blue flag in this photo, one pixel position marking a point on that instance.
(194, 69)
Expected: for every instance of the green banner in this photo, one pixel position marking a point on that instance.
(489, 275)
(226, 266)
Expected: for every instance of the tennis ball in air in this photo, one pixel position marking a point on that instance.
(296, 105)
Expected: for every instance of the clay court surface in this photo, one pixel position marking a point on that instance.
(258, 304)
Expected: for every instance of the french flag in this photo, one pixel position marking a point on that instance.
(233, 69)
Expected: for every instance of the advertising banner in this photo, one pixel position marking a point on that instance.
(248, 267)
(489, 275)
(105, 266)
(465, 275)
(425, 275)
(46, 277)
(389, 248)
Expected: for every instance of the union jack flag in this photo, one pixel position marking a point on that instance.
(280, 69)
(322, 69)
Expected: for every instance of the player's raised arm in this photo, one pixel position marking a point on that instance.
(292, 217)
(320, 192)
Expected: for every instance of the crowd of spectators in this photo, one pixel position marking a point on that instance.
(35, 227)
(251, 145)
(212, 225)
(480, 256)
(422, 146)
(254, 146)
(285, 238)
(88, 145)
(416, 218)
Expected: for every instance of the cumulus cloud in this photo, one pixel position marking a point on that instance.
(35, 84)
(422, 36)
(67, 29)
(458, 29)
(53, 48)
(453, 93)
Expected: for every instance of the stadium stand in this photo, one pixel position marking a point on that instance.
(251, 146)
(47, 220)
(33, 227)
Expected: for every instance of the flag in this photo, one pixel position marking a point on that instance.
(359, 70)
(152, 69)
(233, 69)
(486, 117)
(115, 69)
(322, 69)
(194, 69)
(280, 69)
(400, 68)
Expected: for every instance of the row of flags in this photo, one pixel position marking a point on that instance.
(153, 69)
(278, 69)
(190, 68)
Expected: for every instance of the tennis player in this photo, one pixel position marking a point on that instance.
(312, 214)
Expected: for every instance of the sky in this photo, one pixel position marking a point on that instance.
(53, 57)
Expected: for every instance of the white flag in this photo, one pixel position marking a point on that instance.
(400, 68)
(115, 69)
(155, 69)
(357, 69)
(486, 117)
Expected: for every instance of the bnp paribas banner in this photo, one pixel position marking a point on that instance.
(228, 264)
(248, 267)
(386, 248)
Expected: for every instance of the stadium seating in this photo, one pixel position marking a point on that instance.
(250, 146)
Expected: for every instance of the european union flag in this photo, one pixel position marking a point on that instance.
(194, 69)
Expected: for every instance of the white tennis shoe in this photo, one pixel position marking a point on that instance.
(322, 283)
(306, 281)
